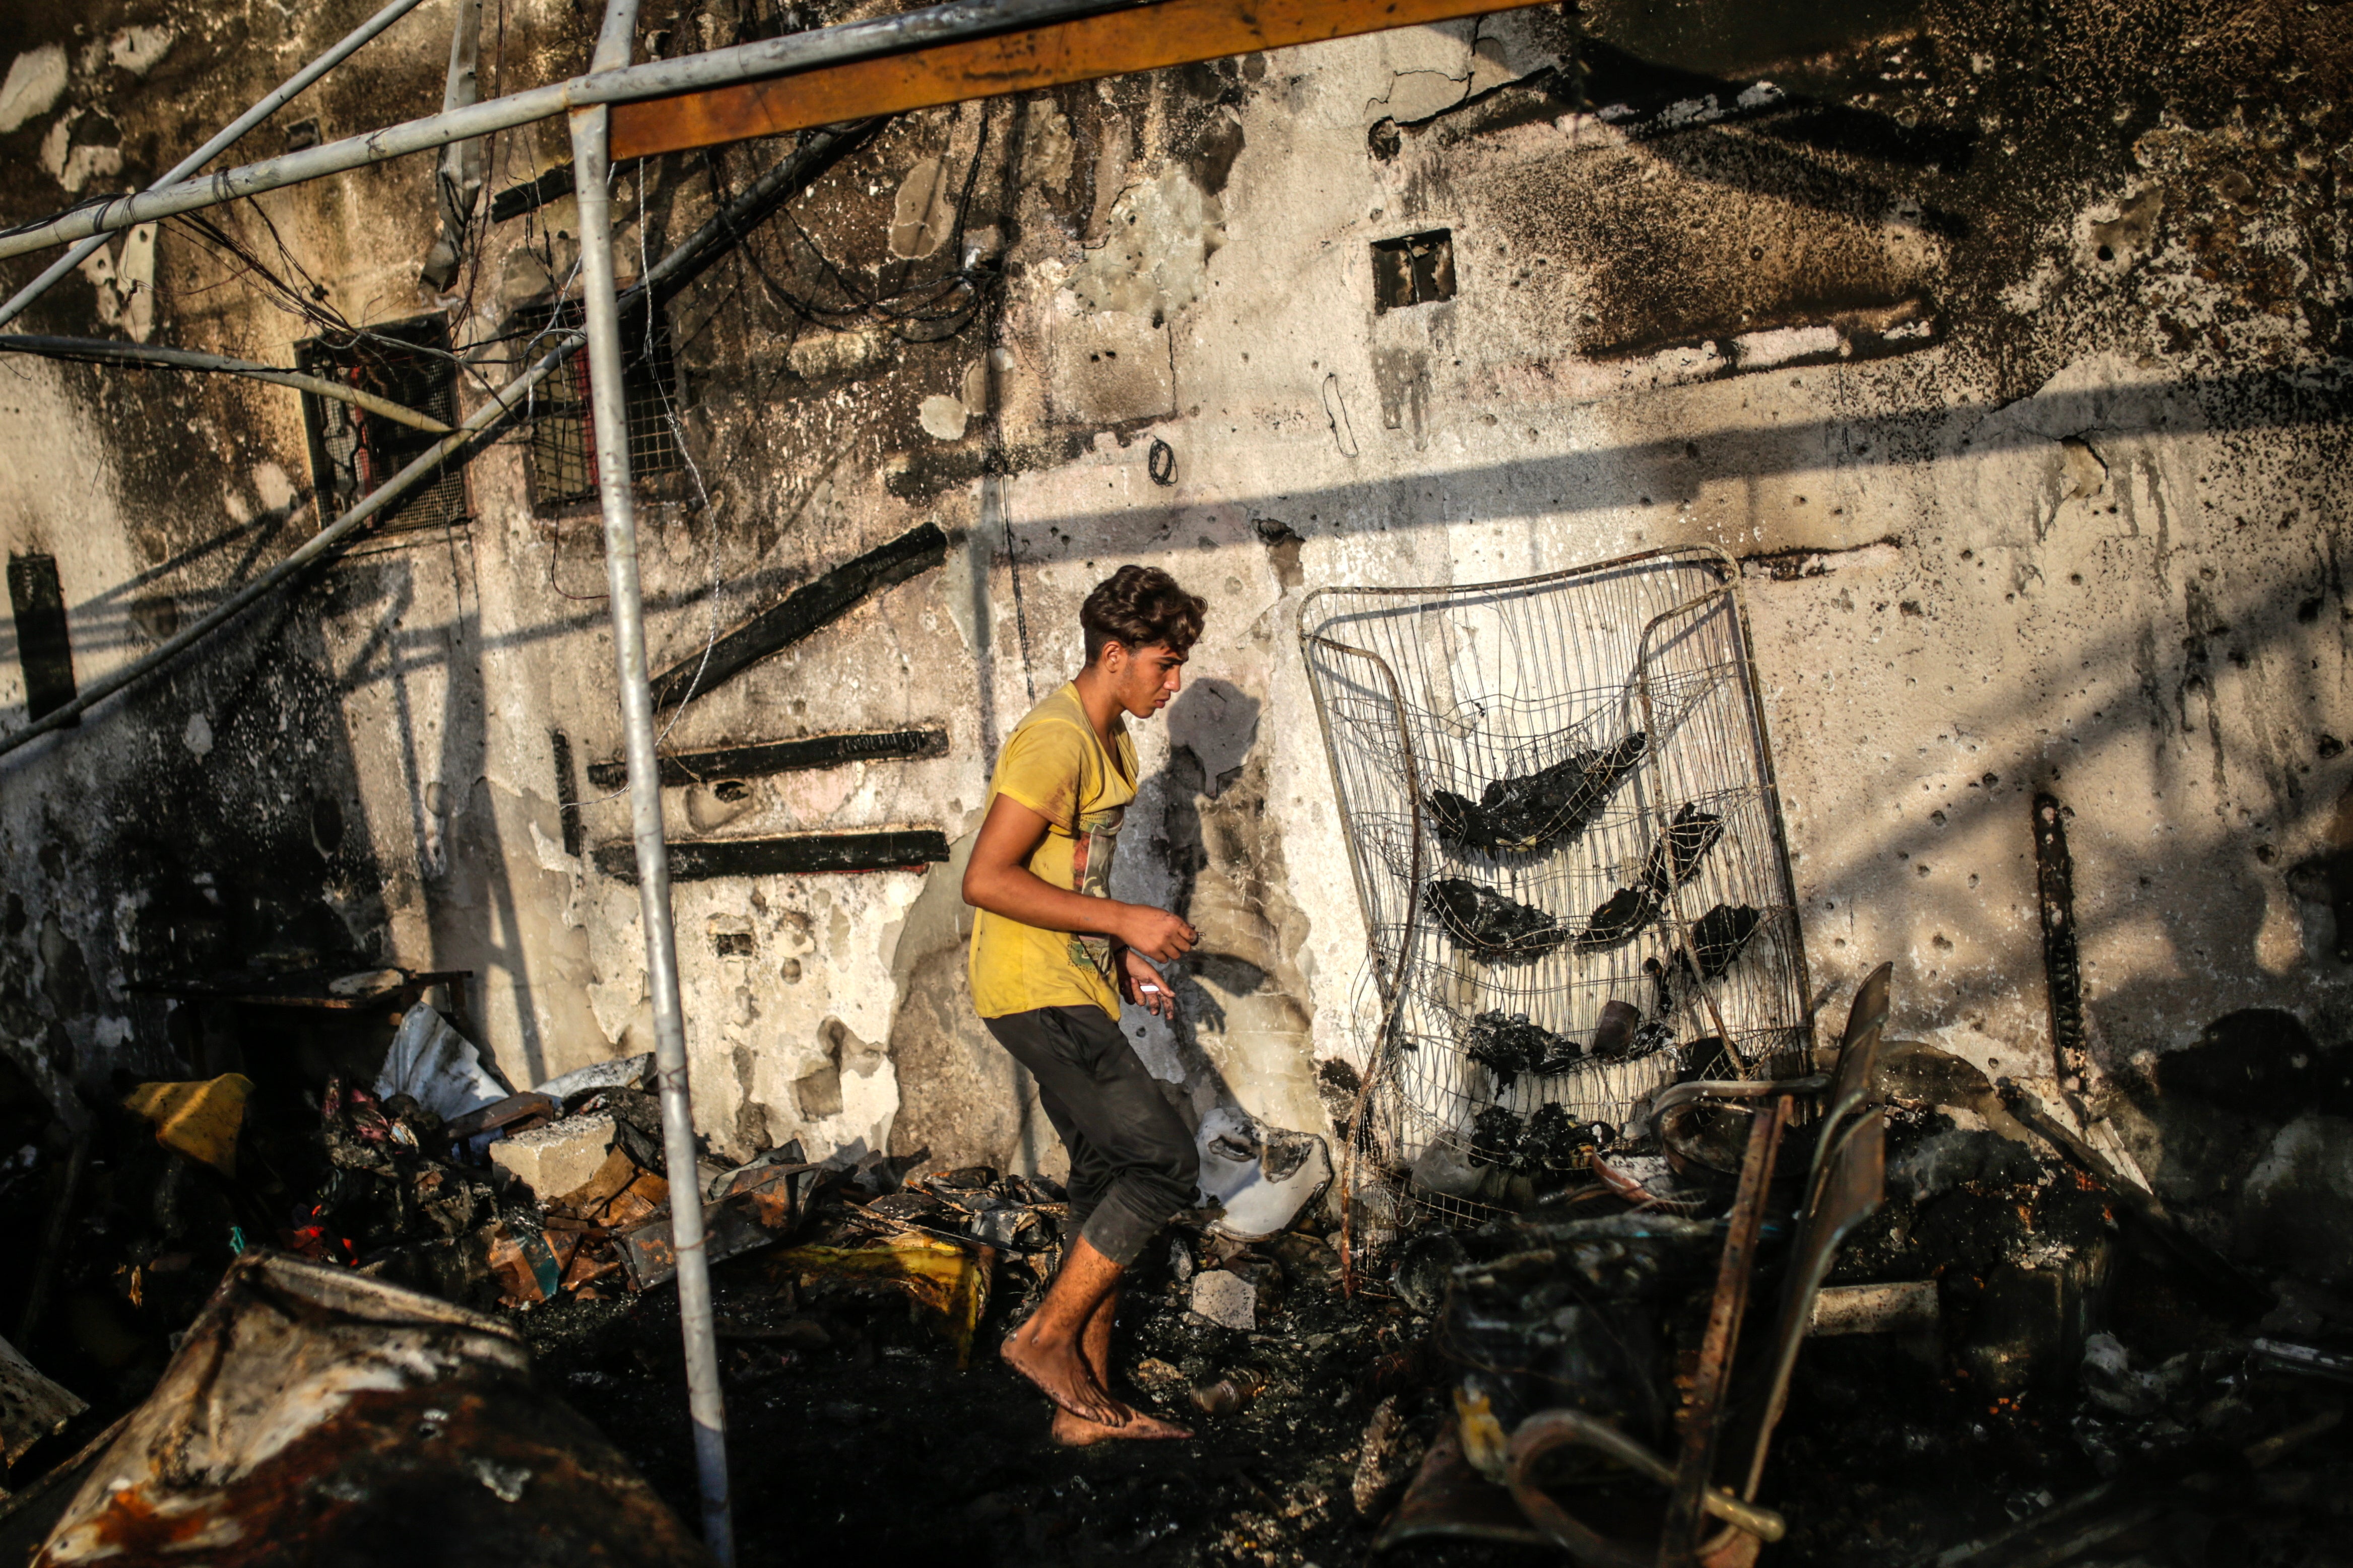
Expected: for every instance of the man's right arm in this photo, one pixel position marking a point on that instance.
(998, 879)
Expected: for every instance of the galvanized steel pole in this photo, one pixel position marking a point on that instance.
(106, 351)
(228, 137)
(608, 407)
(656, 78)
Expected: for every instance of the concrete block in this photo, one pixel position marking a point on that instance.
(1226, 1299)
(557, 1157)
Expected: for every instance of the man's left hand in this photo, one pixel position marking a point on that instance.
(1146, 986)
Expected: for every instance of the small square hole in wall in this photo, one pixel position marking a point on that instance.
(1413, 270)
(732, 943)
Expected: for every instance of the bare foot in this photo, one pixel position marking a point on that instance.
(1061, 1375)
(1077, 1432)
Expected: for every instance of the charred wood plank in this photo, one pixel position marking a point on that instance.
(765, 757)
(2063, 966)
(806, 609)
(791, 853)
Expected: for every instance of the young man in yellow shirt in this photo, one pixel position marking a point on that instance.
(1053, 955)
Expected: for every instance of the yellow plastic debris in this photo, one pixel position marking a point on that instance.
(198, 1120)
(949, 1280)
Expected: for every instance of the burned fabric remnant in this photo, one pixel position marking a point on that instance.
(1508, 1045)
(1495, 1137)
(1719, 937)
(1488, 924)
(1522, 814)
(1675, 859)
(1620, 919)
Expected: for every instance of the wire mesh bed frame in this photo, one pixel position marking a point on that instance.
(1430, 693)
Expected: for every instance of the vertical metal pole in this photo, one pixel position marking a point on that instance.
(591, 167)
(220, 143)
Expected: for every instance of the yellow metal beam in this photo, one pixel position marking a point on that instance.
(1145, 38)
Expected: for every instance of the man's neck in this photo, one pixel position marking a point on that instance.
(1101, 702)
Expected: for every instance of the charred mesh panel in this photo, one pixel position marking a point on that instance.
(563, 434)
(352, 451)
(43, 648)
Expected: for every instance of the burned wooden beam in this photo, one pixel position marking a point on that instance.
(804, 610)
(765, 757)
(532, 194)
(2063, 967)
(1121, 40)
(791, 854)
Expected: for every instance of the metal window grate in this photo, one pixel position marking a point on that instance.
(562, 433)
(1450, 690)
(353, 451)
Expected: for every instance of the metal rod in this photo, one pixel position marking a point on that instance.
(458, 176)
(656, 78)
(608, 409)
(674, 271)
(318, 544)
(106, 351)
(234, 132)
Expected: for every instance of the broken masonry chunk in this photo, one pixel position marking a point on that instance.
(1495, 1137)
(1675, 858)
(1619, 920)
(1487, 922)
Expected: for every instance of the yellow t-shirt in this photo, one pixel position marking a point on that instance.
(1053, 763)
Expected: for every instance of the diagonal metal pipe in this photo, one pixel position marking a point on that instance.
(608, 409)
(107, 350)
(838, 45)
(228, 137)
(318, 545)
(706, 245)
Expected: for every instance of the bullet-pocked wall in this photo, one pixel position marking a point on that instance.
(2002, 344)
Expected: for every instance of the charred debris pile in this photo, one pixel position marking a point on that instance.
(1889, 1312)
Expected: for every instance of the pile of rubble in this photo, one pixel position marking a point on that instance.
(1894, 1312)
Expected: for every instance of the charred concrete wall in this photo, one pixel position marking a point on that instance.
(2002, 344)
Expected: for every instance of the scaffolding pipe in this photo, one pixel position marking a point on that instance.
(664, 279)
(839, 45)
(318, 544)
(141, 356)
(231, 136)
(608, 409)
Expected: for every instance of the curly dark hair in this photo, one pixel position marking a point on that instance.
(1138, 606)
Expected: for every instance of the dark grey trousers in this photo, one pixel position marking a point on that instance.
(1133, 1163)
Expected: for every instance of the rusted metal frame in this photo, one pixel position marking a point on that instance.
(609, 408)
(1547, 1430)
(227, 138)
(1680, 927)
(655, 79)
(1854, 1181)
(1703, 1414)
(1114, 43)
(107, 352)
(1391, 984)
